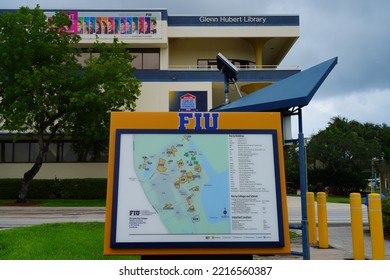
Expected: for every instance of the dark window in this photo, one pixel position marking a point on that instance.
(137, 61)
(34, 149)
(144, 58)
(151, 61)
(59, 151)
(6, 152)
(52, 153)
(21, 152)
(212, 64)
(147, 59)
(67, 153)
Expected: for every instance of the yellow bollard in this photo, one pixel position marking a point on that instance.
(311, 218)
(322, 221)
(376, 226)
(357, 226)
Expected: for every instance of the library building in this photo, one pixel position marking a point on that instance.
(176, 63)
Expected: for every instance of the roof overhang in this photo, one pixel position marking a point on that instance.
(294, 91)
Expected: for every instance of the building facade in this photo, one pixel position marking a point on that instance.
(176, 63)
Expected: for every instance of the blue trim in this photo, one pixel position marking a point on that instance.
(211, 76)
(115, 189)
(247, 20)
(159, 244)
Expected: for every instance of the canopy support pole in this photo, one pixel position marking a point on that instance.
(303, 187)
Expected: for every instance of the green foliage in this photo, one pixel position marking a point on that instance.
(38, 65)
(291, 163)
(46, 91)
(107, 85)
(65, 241)
(58, 188)
(386, 214)
(340, 155)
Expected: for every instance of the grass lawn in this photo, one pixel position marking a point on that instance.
(61, 241)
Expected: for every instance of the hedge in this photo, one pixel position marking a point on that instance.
(386, 214)
(56, 188)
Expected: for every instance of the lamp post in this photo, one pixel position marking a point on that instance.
(373, 177)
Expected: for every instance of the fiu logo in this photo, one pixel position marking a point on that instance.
(198, 121)
(134, 213)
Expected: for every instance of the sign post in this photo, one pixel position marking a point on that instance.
(196, 183)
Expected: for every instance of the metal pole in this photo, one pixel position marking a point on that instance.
(303, 185)
(226, 81)
(372, 176)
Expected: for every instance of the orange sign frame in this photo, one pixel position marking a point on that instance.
(191, 121)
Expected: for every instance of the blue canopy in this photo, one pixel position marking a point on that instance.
(294, 91)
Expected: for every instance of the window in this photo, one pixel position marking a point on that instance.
(6, 151)
(52, 153)
(151, 61)
(67, 153)
(21, 152)
(86, 55)
(212, 64)
(137, 61)
(207, 63)
(27, 151)
(144, 58)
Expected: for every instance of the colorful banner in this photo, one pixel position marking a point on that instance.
(108, 24)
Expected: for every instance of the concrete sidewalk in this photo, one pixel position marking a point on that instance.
(339, 235)
(17, 216)
(340, 247)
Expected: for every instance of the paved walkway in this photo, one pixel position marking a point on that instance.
(339, 234)
(16, 216)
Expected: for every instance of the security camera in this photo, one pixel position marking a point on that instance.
(225, 66)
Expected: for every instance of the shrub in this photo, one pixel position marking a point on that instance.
(386, 214)
(56, 188)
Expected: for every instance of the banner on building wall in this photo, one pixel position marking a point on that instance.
(118, 24)
(196, 182)
(188, 101)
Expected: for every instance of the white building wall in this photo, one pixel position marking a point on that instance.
(56, 170)
(187, 51)
(233, 31)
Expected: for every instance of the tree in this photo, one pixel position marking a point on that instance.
(47, 92)
(107, 85)
(339, 155)
(291, 163)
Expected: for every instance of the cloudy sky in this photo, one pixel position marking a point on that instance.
(356, 31)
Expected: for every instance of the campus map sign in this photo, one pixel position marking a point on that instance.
(188, 181)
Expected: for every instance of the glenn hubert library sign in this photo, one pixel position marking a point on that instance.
(196, 183)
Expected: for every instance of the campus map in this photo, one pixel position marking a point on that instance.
(186, 180)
